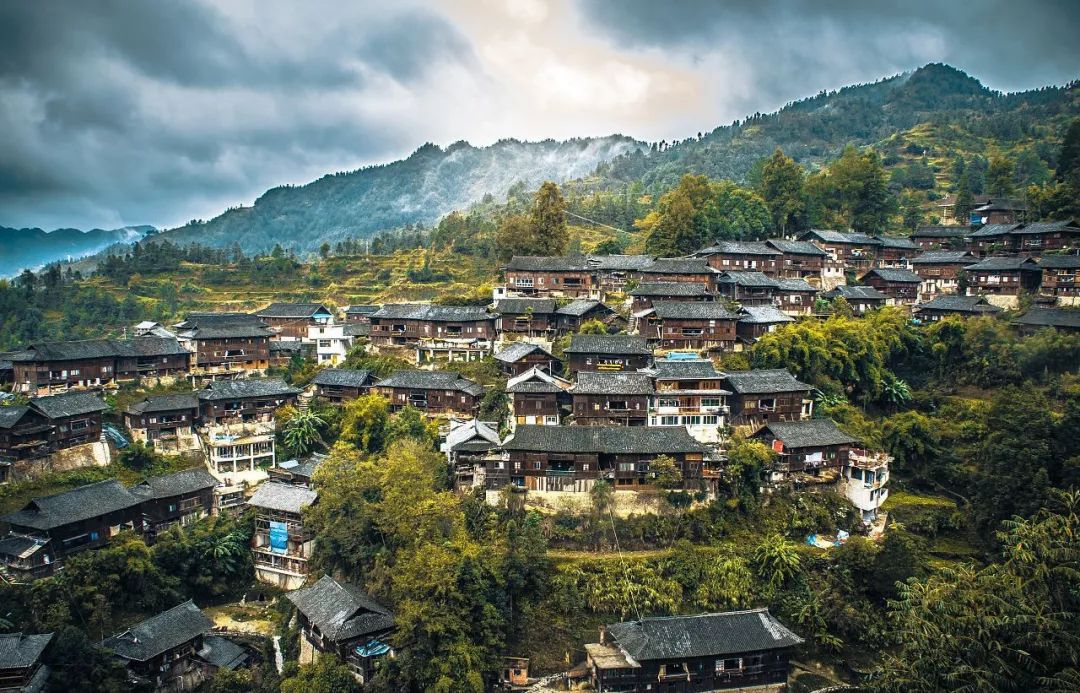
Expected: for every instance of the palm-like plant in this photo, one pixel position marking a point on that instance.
(777, 560)
(895, 391)
(226, 551)
(303, 432)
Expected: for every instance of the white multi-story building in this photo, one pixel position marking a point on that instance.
(863, 479)
(688, 394)
(238, 456)
(333, 341)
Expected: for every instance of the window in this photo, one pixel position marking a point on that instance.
(669, 421)
(538, 465)
(585, 467)
(669, 403)
(710, 401)
(709, 420)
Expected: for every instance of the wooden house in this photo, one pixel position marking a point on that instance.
(525, 317)
(432, 392)
(91, 363)
(338, 618)
(281, 545)
(855, 250)
(21, 667)
(359, 313)
(612, 272)
(963, 306)
(810, 446)
(895, 252)
(747, 288)
(999, 211)
(471, 447)
(25, 434)
(678, 269)
(298, 472)
(900, 286)
(519, 357)
(256, 399)
(992, 239)
(689, 325)
(406, 324)
(860, 298)
(1060, 319)
(74, 416)
(163, 418)
(225, 342)
(795, 296)
(940, 237)
(180, 498)
(647, 293)
(736, 650)
(615, 352)
(757, 321)
(940, 270)
(570, 318)
(572, 458)
(611, 399)
(766, 395)
(543, 276)
(1060, 276)
(340, 385)
(1003, 276)
(291, 321)
(1039, 237)
(538, 397)
(743, 256)
(688, 395)
(161, 653)
(800, 259)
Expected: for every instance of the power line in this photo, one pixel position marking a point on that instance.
(593, 221)
(626, 568)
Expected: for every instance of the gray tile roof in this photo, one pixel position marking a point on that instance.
(764, 381)
(684, 369)
(342, 377)
(361, 309)
(670, 289)
(898, 242)
(807, 434)
(794, 285)
(692, 310)
(175, 484)
(424, 311)
(160, 633)
(609, 263)
(431, 380)
(738, 248)
(169, 402)
(796, 247)
(888, 274)
(941, 232)
(763, 315)
(218, 651)
(519, 350)
(679, 265)
(1060, 262)
(852, 292)
(849, 237)
(994, 230)
(625, 440)
(273, 495)
(68, 404)
(1045, 227)
(754, 279)
(942, 257)
(535, 387)
(549, 263)
(293, 310)
(10, 415)
(1050, 317)
(209, 319)
(76, 505)
(356, 329)
(147, 345)
(341, 610)
(19, 651)
(519, 306)
(589, 383)
(703, 635)
(581, 306)
(608, 344)
(959, 304)
(228, 331)
(241, 389)
(1003, 264)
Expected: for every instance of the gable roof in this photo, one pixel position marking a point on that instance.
(12, 414)
(76, 505)
(433, 313)
(274, 495)
(764, 381)
(763, 315)
(537, 381)
(431, 380)
(670, 289)
(679, 265)
(361, 309)
(626, 440)
(340, 610)
(609, 263)
(889, 274)
(684, 369)
(898, 242)
(519, 350)
(608, 344)
(19, 651)
(222, 326)
(796, 247)
(738, 248)
(168, 402)
(738, 278)
(692, 310)
(548, 263)
(252, 387)
(293, 310)
(220, 652)
(849, 237)
(473, 435)
(160, 633)
(1050, 317)
(581, 306)
(1004, 264)
(994, 230)
(143, 345)
(175, 484)
(1060, 262)
(589, 383)
(795, 285)
(805, 434)
(862, 293)
(942, 257)
(941, 232)
(68, 404)
(959, 304)
(703, 635)
(519, 306)
(343, 377)
(1046, 227)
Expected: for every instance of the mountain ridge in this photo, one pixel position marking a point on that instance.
(22, 248)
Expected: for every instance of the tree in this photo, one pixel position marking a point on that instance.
(79, 665)
(781, 187)
(593, 326)
(548, 219)
(965, 200)
(852, 192)
(1000, 178)
(327, 675)
(516, 237)
(676, 232)
(1068, 163)
(364, 422)
(777, 560)
(734, 212)
(666, 473)
(303, 432)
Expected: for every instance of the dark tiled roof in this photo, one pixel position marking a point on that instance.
(960, 304)
(941, 232)
(273, 495)
(361, 310)
(897, 242)
(757, 279)
(608, 263)
(548, 263)
(1050, 317)
(293, 310)
(519, 306)
(147, 345)
(738, 248)
(228, 331)
(431, 380)
(764, 381)
(10, 415)
(151, 345)
(218, 651)
(763, 315)
(705, 635)
(170, 402)
(796, 247)
(670, 289)
(1060, 262)
(895, 275)
(340, 610)
(68, 404)
(607, 344)
(210, 319)
(423, 311)
(175, 484)
(684, 369)
(356, 329)
(998, 264)
(535, 387)
(519, 350)
(18, 651)
(582, 306)
(589, 383)
(627, 440)
(679, 265)
(812, 433)
(160, 633)
(851, 292)
(288, 346)
(21, 547)
(942, 257)
(692, 310)
(794, 285)
(76, 505)
(1045, 226)
(993, 230)
(241, 389)
(850, 237)
(1004, 204)
(342, 377)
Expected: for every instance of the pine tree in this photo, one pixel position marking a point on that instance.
(549, 220)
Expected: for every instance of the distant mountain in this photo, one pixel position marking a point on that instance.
(420, 189)
(31, 248)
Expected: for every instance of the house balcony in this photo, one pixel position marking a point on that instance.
(868, 459)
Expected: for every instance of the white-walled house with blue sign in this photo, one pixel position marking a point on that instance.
(281, 546)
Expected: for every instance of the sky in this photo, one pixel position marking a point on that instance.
(115, 113)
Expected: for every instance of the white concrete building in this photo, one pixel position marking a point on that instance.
(863, 480)
(333, 341)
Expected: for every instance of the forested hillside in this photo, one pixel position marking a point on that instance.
(21, 248)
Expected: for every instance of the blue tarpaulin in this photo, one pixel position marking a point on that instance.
(279, 537)
(373, 648)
